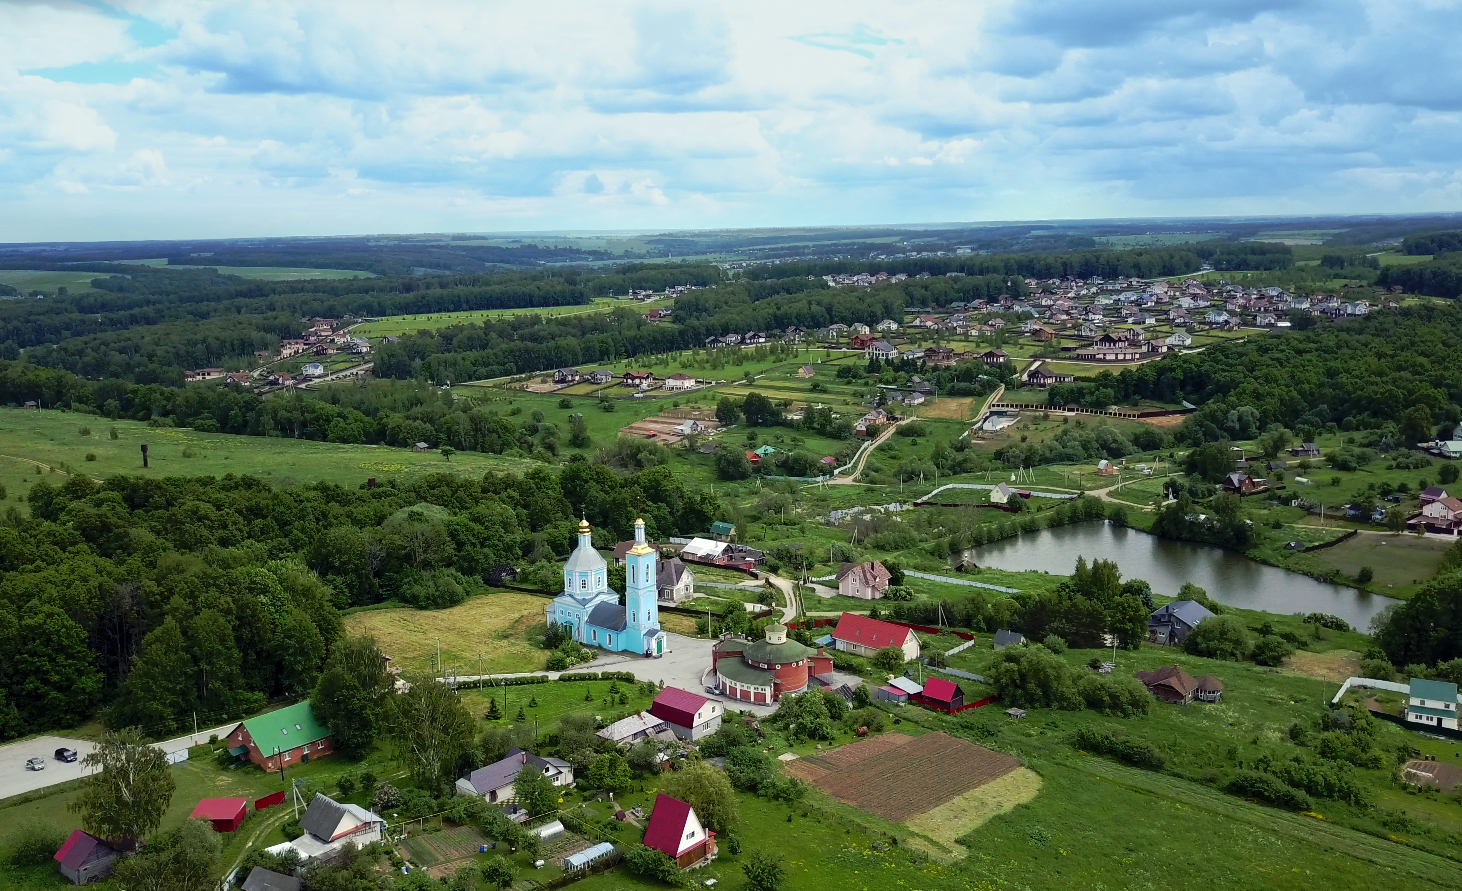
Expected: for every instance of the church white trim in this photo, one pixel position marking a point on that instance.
(591, 609)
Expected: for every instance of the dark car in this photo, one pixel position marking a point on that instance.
(67, 755)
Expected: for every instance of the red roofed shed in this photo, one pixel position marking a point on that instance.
(942, 694)
(676, 831)
(226, 814)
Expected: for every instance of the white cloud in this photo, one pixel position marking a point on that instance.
(304, 116)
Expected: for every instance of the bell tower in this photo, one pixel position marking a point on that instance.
(640, 595)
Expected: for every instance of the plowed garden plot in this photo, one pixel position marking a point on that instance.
(448, 845)
(900, 781)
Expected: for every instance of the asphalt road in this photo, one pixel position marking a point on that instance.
(16, 780)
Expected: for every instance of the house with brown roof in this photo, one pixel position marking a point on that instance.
(640, 379)
(867, 581)
(1173, 685)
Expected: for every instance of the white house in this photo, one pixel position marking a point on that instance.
(863, 636)
(679, 381)
(1001, 494)
(1433, 703)
(1179, 339)
(867, 581)
(328, 826)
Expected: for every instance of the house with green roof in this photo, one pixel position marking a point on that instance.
(1432, 704)
(722, 531)
(282, 738)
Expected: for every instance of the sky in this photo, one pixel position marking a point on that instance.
(142, 119)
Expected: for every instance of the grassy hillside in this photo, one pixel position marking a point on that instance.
(54, 443)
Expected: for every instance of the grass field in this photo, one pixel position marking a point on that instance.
(53, 439)
(556, 699)
(48, 281)
(1398, 561)
(493, 625)
(395, 326)
(1394, 259)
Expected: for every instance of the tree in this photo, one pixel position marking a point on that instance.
(216, 655)
(1447, 473)
(536, 792)
(1271, 649)
(764, 871)
(609, 771)
(1219, 637)
(1416, 424)
(706, 789)
(499, 871)
(127, 791)
(54, 682)
(861, 697)
(448, 452)
(1127, 620)
(159, 692)
(183, 859)
(351, 694)
(1034, 676)
(1210, 462)
(759, 410)
(648, 863)
(889, 658)
(731, 462)
(431, 730)
(728, 411)
(301, 650)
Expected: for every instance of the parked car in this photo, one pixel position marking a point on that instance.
(36, 764)
(66, 755)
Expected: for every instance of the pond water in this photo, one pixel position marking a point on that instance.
(1228, 576)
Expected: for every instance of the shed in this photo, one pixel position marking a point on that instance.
(1006, 638)
(85, 858)
(890, 694)
(723, 530)
(226, 814)
(1015, 713)
(909, 686)
(943, 694)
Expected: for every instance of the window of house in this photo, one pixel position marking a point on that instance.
(690, 835)
(595, 634)
(583, 584)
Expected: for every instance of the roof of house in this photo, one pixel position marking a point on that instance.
(78, 848)
(678, 706)
(261, 879)
(1190, 612)
(609, 616)
(1005, 637)
(940, 690)
(670, 572)
(219, 808)
(867, 632)
(287, 728)
(906, 685)
(639, 722)
(666, 829)
(871, 573)
(323, 817)
(497, 774)
(1440, 690)
(1172, 677)
(1434, 492)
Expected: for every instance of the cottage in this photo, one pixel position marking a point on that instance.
(636, 727)
(806, 371)
(1238, 483)
(1432, 703)
(1173, 685)
(84, 858)
(313, 369)
(867, 581)
(494, 783)
(288, 736)
(328, 826)
(1172, 622)
(1007, 638)
(943, 695)
(566, 376)
(261, 879)
(1106, 468)
(1001, 494)
(690, 716)
(640, 379)
(674, 581)
(883, 350)
(863, 636)
(1039, 377)
(862, 341)
(768, 669)
(676, 831)
(600, 377)
(1179, 339)
(1306, 450)
(679, 381)
(994, 357)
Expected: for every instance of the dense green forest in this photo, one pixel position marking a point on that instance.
(1432, 243)
(113, 592)
(1440, 278)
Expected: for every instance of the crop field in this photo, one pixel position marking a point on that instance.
(492, 625)
(54, 443)
(897, 782)
(445, 846)
(283, 273)
(395, 326)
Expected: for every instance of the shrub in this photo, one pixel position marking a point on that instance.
(648, 863)
(346, 784)
(1380, 669)
(1111, 695)
(91, 456)
(33, 844)
(1054, 643)
(1365, 576)
(1272, 650)
(764, 871)
(1269, 789)
(1123, 748)
(889, 658)
(1219, 637)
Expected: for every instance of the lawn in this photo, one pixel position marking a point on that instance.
(1398, 561)
(1393, 259)
(282, 273)
(556, 699)
(53, 441)
(48, 281)
(485, 635)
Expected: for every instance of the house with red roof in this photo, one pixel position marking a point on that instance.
(226, 814)
(690, 716)
(675, 831)
(943, 695)
(85, 858)
(863, 636)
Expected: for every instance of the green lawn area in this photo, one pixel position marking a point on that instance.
(556, 699)
(48, 281)
(282, 273)
(1398, 561)
(1393, 259)
(30, 439)
(394, 326)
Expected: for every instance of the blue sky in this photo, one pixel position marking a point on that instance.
(193, 118)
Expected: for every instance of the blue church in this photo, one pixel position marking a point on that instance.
(592, 610)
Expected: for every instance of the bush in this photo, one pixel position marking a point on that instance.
(33, 845)
(889, 658)
(1268, 789)
(1123, 697)
(91, 456)
(1102, 741)
(1272, 650)
(1365, 576)
(1219, 637)
(1380, 669)
(1054, 643)
(648, 863)
(764, 871)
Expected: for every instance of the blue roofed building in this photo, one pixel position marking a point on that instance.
(591, 608)
(1432, 703)
(1170, 623)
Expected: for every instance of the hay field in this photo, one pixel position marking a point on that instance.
(493, 625)
(954, 819)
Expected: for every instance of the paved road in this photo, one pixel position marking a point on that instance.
(16, 780)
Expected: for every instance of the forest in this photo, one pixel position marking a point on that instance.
(1440, 278)
(110, 592)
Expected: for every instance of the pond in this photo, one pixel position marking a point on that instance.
(1228, 576)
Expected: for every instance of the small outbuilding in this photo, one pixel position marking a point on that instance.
(1007, 638)
(85, 858)
(226, 814)
(676, 831)
(943, 694)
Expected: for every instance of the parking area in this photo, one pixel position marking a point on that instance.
(16, 780)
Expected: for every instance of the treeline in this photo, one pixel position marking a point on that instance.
(1431, 243)
(1442, 277)
(1389, 368)
(165, 596)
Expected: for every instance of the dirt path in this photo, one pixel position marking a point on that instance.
(862, 460)
(40, 464)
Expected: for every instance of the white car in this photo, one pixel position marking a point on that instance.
(36, 764)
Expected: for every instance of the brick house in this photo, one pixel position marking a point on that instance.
(282, 738)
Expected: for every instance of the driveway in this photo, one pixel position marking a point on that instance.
(16, 780)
